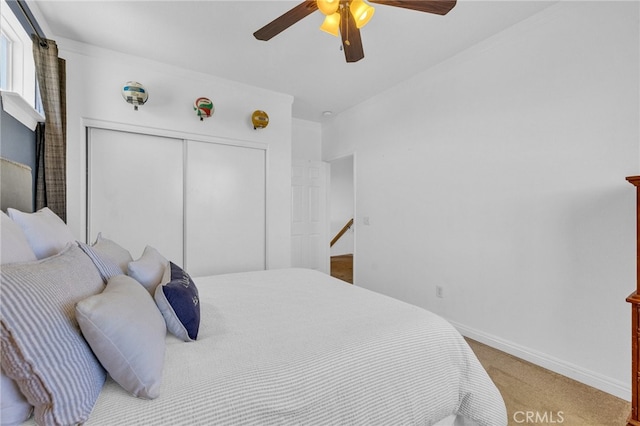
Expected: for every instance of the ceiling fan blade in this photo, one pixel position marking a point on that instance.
(286, 20)
(351, 41)
(439, 7)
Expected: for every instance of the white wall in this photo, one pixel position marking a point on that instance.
(306, 140)
(499, 175)
(94, 80)
(342, 202)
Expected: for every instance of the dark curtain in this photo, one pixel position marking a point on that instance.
(51, 166)
(41, 193)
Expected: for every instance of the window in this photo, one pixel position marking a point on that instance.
(17, 70)
(18, 86)
(5, 62)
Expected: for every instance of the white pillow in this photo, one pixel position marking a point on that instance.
(15, 247)
(46, 232)
(149, 269)
(14, 408)
(127, 333)
(113, 250)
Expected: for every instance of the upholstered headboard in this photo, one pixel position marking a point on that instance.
(16, 186)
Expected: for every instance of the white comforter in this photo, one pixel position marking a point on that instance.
(295, 346)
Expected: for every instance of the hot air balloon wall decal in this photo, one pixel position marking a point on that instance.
(259, 119)
(203, 107)
(134, 93)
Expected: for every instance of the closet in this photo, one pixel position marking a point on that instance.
(200, 203)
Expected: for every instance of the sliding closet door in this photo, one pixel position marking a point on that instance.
(135, 191)
(225, 208)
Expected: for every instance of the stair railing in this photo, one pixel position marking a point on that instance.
(344, 229)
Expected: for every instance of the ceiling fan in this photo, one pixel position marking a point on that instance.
(345, 18)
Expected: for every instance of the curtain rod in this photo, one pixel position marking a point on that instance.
(21, 10)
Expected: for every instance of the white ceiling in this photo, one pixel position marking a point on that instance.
(216, 37)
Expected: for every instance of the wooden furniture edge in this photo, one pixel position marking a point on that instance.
(635, 180)
(631, 422)
(634, 300)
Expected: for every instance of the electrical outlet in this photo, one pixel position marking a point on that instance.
(439, 291)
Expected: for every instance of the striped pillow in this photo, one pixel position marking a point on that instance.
(106, 266)
(42, 347)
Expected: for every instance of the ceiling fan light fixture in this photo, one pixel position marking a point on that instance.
(362, 12)
(328, 7)
(353, 15)
(331, 24)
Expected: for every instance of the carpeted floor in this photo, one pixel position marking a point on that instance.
(534, 395)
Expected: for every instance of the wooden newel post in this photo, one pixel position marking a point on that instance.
(634, 299)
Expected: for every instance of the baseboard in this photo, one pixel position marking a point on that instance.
(590, 378)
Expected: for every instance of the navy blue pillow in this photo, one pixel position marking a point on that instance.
(179, 303)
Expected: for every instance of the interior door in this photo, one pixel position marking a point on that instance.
(135, 187)
(225, 208)
(310, 225)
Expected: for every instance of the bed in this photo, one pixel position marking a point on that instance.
(276, 347)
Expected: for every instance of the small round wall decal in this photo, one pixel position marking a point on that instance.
(134, 93)
(260, 119)
(203, 107)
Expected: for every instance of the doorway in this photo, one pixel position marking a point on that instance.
(341, 218)
(310, 215)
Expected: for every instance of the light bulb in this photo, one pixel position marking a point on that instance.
(331, 24)
(362, 12)
(328, 7)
